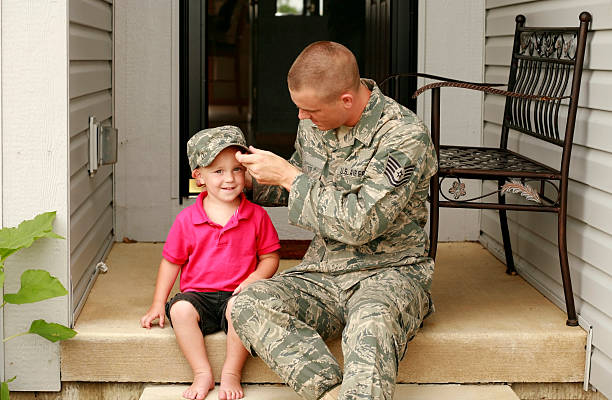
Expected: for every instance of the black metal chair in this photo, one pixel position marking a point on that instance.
(545, 73)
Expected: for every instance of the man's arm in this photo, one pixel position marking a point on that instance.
(402, 160)
(268, 169)
(273, 175)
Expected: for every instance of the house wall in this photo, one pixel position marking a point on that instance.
(34, 87)
(534, 236)
(1, 171)
(146, 85)
(91, 198)
(451, 44)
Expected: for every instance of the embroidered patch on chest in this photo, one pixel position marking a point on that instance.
(396, 174)
(352, 172)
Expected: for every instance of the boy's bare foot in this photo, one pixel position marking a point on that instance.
(230, 388)
(203, 382)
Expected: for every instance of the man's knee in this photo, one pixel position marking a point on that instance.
(241, 303)
(228, 309)
(376, 325)
(379, 324)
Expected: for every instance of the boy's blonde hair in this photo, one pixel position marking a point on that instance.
(326, 67)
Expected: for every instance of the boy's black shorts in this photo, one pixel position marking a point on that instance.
(210, 307)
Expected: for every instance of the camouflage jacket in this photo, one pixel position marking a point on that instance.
(364, 196)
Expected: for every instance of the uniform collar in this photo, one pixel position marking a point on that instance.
(364, 130)
(200, 217)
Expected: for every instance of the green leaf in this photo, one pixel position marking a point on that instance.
(36, 285)
(14, 239)
(1, 279)
(51, 331)
(4, 391)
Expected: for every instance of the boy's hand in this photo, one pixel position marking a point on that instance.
(244, 284)
(154, 313)
(266, 267)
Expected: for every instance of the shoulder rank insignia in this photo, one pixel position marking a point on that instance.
(396, 174)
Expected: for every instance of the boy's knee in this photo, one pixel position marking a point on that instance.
(183, 310)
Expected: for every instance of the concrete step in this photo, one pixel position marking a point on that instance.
(488, 327)
(403, 391)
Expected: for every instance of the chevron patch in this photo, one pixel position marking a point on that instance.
(396, 174)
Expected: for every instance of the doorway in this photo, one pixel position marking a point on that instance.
(235, 55)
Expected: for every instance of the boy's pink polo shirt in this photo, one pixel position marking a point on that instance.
(215, 257)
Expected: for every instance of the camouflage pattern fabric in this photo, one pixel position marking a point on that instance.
(286, 319)
(204, 146)
(364, 198)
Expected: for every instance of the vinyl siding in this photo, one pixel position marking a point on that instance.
(35, 176)
(442, 22)
(91, 94)
(589, 227)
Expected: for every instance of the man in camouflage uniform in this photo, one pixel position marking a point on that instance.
(359, 180)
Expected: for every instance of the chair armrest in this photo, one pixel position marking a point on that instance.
(485, 88)
(437, 77)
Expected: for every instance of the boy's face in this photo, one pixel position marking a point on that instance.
(224, 177)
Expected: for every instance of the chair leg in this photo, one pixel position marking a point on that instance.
(434, 215)
(503, 222)
(572, 319)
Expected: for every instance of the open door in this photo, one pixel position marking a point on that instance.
(235, 55)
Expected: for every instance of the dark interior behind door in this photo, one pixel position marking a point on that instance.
(251, 91)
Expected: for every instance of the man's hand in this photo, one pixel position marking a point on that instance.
(267, 168)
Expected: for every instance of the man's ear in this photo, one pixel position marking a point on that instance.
(347, 100)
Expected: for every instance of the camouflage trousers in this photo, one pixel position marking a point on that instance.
(286, 319)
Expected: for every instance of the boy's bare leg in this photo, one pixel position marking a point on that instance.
(235, 357)
(185, 320)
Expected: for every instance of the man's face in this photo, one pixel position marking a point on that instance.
(325, 115)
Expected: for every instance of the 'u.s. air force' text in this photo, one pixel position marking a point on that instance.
(351, 172)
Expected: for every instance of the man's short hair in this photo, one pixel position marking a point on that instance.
(327, 67)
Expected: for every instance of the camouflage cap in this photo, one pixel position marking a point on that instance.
(205, 145)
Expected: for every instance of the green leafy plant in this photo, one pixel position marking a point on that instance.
(36, 284)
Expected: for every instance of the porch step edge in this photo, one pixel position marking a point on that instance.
(154, 356)
(402, 391)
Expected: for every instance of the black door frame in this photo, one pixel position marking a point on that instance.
(193, 76)
(391, 46)
(404, 49)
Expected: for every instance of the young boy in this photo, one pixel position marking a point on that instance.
(220, 245)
